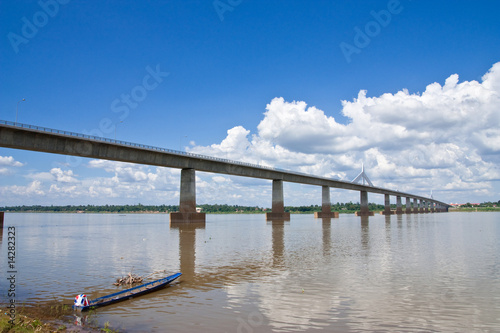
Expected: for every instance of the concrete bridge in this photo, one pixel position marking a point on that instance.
(34, 138)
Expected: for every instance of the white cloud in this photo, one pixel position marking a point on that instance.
(9, 161)
(125, 172)
(66, 190)
(63, 176)
(56, 175)
(32, 189)
(134, 181)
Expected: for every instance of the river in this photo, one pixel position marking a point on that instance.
(424, 272)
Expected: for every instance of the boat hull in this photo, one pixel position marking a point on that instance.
(129, 293)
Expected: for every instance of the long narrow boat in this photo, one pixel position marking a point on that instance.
(128, 293)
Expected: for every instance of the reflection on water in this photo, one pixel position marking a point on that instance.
(278, 243)
(327, 239)
(426, 272)
(187, 247)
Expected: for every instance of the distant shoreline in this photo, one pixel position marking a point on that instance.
(163, 209)
(132, 213)
(342, 208)
(452, 210)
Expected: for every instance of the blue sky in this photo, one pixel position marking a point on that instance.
(232, 79)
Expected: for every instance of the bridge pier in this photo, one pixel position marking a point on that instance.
(364, 210)
(326, 205)
(426, 206)
(1, 220)
(408, 205)
(278, 204)
(387, 205)
(399, 206)
(415, 206)
(187, 205)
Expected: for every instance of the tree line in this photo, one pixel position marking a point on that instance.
(215, 208)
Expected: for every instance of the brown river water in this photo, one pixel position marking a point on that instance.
(412, 273)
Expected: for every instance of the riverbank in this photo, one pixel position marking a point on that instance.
(46, 318)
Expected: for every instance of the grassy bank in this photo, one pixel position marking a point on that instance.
(26, 323)
(46, 318)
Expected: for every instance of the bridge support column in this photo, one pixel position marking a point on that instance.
(326, 205)
(1, 220)
(399, 206)
(426, 206)
(278, 205)
(364, 211)
(415, 206)
(421, 205)
(408, 205)
(387, 205)
(187, 205)
(433, 207)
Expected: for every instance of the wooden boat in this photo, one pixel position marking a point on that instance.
(128, 293)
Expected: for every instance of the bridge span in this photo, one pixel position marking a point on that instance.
(35, 138)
